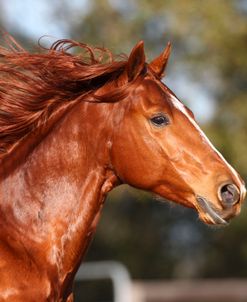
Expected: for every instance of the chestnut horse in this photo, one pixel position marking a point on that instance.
(72, 127)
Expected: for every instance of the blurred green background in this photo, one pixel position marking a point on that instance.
(208, 72)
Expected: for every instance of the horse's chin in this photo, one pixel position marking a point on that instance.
(207, 213)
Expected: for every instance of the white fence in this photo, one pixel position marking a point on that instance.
(115, 271)
(212, 290)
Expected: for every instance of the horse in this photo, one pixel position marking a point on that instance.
(74, 125)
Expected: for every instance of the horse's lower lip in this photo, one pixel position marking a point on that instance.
(205, 207)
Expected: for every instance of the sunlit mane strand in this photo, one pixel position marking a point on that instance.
(35, 85)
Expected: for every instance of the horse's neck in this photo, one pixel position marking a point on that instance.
(53, 199)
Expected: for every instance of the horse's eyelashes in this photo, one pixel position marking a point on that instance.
(160, 120)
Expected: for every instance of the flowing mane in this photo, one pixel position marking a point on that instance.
(34, 85)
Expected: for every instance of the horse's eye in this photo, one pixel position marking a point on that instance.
(160, 120)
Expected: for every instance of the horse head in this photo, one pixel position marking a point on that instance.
(159, 147)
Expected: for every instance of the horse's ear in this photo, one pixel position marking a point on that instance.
(136, 61)
(158, 65)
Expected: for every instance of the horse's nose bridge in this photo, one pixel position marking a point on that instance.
(221, 168)
(214, 177)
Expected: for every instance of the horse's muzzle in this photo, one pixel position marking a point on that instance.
(209, 213)
(229, 195)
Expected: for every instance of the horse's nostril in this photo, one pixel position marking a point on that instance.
(229, 195)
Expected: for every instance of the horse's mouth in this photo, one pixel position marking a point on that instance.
(207, 213)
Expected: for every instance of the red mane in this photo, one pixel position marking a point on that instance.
(34, 85)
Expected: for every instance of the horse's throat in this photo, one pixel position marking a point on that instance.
(82, 224)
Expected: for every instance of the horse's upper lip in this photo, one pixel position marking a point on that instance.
(211, 215)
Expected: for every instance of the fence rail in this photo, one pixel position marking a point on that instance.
(127, 290)
(212, 290)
